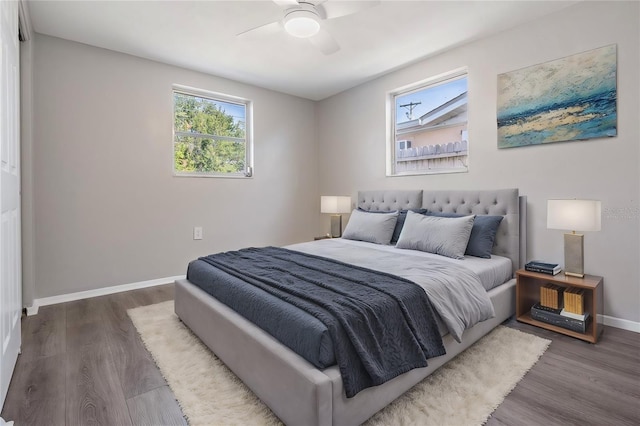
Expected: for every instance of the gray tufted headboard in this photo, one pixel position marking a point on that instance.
(510, 238)
(388, 201)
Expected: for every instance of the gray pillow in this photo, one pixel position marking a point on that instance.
(372, 227)
(402, 215)
(483, 233)
(440, 235)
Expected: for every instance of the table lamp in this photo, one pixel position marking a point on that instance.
(336, 205)
(574, 215)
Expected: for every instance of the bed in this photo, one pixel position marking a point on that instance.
(301, 393)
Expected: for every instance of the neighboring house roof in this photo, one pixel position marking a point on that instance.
(442, 115)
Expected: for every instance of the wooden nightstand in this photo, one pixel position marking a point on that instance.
(528, 293)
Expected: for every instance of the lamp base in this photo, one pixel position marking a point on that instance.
(336, 226)
(574, 255)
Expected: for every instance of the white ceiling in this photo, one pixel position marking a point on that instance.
(201, 35)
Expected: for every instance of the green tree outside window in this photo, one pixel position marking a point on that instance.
(210, 135)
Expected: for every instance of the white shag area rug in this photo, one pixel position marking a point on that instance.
(465, 391)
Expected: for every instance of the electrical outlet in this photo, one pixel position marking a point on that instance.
(197, 232)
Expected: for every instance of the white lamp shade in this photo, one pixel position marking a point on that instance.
(335, 204)
(574, 215)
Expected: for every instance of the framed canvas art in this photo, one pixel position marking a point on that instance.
(569, 99)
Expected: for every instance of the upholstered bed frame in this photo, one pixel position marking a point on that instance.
(299, 393)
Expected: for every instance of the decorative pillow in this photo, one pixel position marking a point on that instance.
(483, 233)
(440, 235)
(372, 227)
(402, 215)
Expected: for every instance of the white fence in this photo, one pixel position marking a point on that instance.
(452, 155)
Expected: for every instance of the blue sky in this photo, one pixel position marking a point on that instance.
(430, 98)
(235, 110)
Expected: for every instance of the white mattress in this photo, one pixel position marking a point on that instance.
(492, 272)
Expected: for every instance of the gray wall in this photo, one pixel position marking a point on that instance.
(351, 136)
(106, 208)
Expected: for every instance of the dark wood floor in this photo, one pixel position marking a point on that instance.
(577, 383)
(83, 363)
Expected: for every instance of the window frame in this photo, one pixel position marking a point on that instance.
(443, 78)
(216, 97)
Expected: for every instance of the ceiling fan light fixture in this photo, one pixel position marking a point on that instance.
(302, 23)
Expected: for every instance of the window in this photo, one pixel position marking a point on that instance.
(428, 126)
(211, 134)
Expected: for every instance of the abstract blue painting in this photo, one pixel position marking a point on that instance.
(572, 98)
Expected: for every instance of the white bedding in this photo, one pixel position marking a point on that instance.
(492, 272)
(459, 307)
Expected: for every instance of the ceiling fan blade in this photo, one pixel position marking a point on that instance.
(285, 3)
(262, 30)
(336, 9)
(325, 42)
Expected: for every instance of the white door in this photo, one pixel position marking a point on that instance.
(10, 270)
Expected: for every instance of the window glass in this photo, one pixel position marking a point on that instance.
(211, 136)
(428, 122)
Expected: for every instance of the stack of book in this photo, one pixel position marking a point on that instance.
(573, 300)
(551, 296)
(561, 318)
(543, 267)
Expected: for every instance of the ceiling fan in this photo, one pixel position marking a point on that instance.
(304, 18)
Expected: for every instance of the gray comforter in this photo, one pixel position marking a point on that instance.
(455, 292)
(381, 325)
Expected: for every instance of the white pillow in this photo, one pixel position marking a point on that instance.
(372, 227)
(447, 236)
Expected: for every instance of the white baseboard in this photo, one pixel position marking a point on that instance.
(70, 297)
(620, 323)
